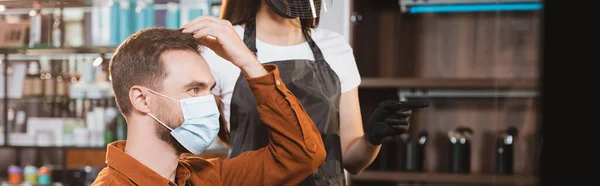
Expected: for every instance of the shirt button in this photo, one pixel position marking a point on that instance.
(277, 83)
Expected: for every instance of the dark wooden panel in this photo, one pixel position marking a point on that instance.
(478, 45)
(377, 39)
(387, 38)
(459, 45)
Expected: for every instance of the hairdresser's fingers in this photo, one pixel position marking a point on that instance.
(200, 34)
(204, 18)
(202, 25)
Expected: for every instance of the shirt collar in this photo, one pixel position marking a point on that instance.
(135, 170)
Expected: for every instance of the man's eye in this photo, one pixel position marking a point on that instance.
(194, 91)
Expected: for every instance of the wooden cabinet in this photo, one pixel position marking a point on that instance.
(492, 52)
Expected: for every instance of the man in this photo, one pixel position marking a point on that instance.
(162, 86)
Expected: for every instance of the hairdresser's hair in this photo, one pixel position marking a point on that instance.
(240, 11)
(138, 61)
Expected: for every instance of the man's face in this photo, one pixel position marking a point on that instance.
(188, 76)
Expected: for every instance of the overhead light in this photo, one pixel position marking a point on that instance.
(32, 13)
(2, 8)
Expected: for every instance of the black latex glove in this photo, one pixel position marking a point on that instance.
(391, 118)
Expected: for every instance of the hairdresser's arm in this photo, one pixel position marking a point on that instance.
(295, 146)
(357, 152)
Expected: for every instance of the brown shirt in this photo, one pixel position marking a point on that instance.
(295, 149)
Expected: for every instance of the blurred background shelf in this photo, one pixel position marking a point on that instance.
(445, 178)
(13, 4)
(54, 51)
(54, 147)
(453, 83)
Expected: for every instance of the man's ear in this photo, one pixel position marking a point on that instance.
(138, 99)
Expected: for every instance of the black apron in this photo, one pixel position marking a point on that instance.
(318, 89)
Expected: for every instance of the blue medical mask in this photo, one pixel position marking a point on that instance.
(200, 122)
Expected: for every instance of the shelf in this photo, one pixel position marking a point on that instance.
(53, 51)
(10, 4)
(46, 4)
(54, 147)
(444, 178)
(456, 83)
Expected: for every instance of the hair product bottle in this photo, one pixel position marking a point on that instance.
(460, 150)
(415, 153)
(505, 151)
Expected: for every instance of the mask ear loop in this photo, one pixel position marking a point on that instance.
(160, 121)
(162, 95)
(153, 115)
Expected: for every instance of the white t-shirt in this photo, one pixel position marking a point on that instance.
(335, 49)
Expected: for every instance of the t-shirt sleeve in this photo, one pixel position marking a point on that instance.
(340, 56)
(349, 75)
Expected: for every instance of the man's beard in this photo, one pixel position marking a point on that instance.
(163, 133)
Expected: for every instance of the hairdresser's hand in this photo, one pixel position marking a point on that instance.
(220, 36)
(390, 118)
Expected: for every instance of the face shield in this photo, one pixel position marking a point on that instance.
(303, 9)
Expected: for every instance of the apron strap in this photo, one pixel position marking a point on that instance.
(313, 45)
(250, 39)
(250, 35)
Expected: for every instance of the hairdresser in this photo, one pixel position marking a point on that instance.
(317, 66)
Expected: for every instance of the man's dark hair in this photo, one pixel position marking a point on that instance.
(138, 61)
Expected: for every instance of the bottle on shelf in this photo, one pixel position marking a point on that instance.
(414, 152)
(172, 17)
(121, 127)
(35, 27)
(20, 118)
(15, 174)
(46, 76)
(460, 150)
(387, 157)
(43, 175)
(140, 14)
(111, 114)
(126, 16)
(62, 80)
(33, 82)
(150, 14)
(114, 23)
(11, 120)
(56, 29)
(505, 151)
(30, 174)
